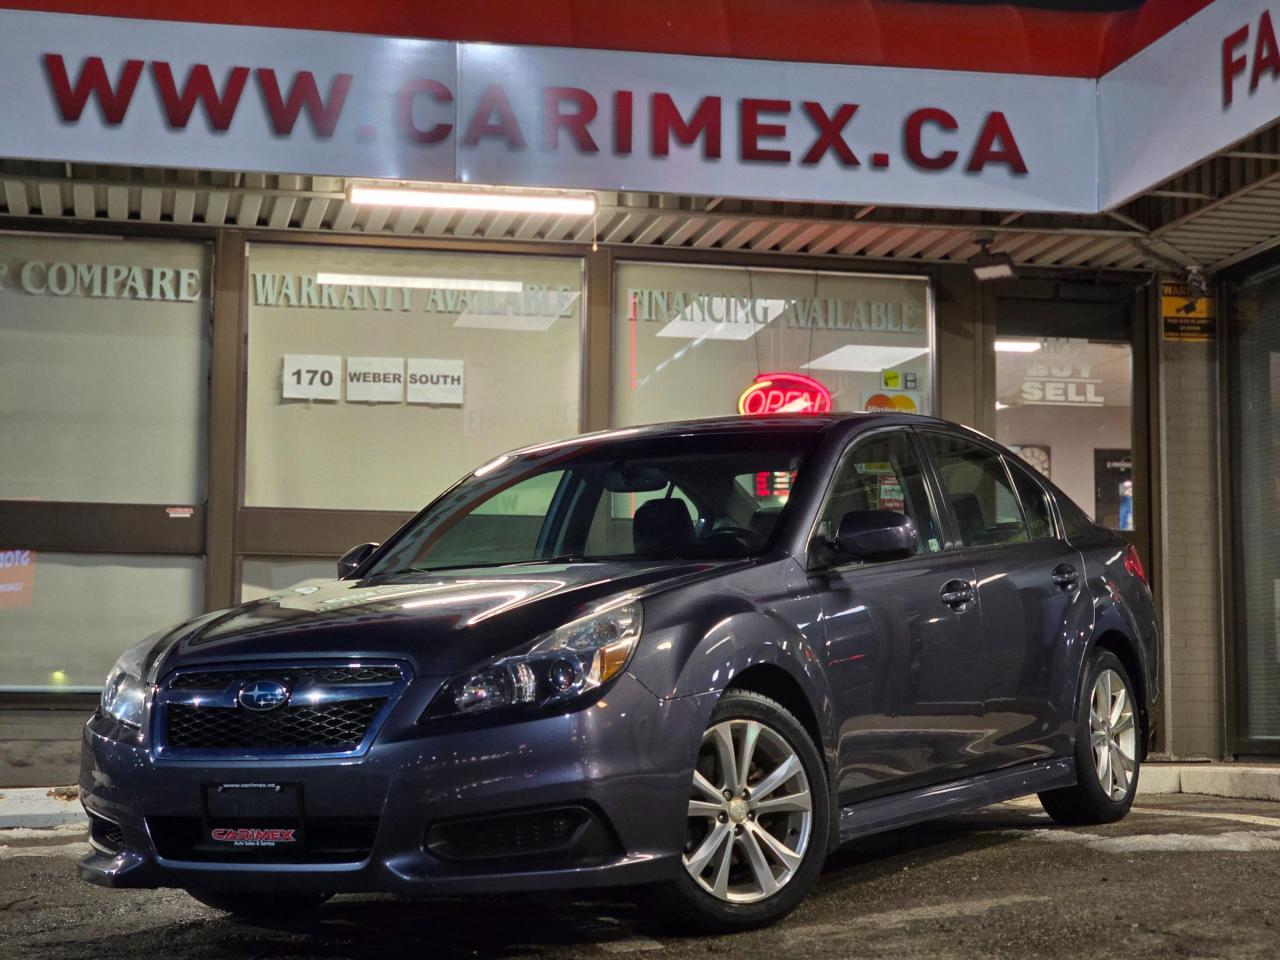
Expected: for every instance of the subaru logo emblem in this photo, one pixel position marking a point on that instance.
(263, 695)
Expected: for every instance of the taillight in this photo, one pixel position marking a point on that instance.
(1133, 563)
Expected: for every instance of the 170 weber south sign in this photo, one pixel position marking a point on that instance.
(121, 91)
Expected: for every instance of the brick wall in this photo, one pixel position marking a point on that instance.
(1191, 569)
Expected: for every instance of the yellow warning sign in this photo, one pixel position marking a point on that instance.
(1186, 318)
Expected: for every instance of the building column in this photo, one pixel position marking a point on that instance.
(1190, 571)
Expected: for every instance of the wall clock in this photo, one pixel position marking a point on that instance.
(1035, 454)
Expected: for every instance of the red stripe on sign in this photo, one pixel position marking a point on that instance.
(1001, 38)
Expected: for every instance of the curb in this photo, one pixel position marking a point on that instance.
(40, 807)
(1236, 781)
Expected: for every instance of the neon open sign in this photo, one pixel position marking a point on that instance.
(784, 393)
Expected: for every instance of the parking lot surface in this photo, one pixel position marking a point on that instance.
(1183, 876)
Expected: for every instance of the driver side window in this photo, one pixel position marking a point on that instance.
(881, 473)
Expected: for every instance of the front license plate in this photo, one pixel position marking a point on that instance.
(253, 817)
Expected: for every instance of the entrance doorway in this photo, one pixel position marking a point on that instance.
(1113, 488)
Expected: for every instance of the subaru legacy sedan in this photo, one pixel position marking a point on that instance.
(689, 658)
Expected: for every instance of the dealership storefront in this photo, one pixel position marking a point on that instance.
(214, 379)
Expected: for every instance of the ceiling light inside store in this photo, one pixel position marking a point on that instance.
(734, 321)
(1017, 346)
(530, 320)
(581, 205)
(419, 283)
(858, 358)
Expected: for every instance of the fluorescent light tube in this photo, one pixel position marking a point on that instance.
(1017, 346)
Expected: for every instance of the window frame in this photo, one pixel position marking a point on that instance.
(129, 529)
(641, 257)
(1002, 455)
(926, 476)
(1055, 525)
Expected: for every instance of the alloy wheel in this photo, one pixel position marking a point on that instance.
(1112, 734)
(750, 812)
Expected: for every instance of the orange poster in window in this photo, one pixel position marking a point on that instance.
(17, 578)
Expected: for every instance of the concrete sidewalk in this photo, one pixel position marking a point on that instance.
(55, 806)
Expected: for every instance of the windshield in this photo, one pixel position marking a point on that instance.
(699, 496)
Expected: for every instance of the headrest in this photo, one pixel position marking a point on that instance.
(662, 528)
(763, 521)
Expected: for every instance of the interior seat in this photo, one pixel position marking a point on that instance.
(662, 528)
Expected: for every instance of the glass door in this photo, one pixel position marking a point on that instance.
(1065, 402)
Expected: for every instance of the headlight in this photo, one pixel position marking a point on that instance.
(125, 693)
(562, 665)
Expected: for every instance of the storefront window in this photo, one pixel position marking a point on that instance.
(66, 617)
(1064, 404)
(1254, 392)
(377, 378)
(104, 356)
(261, 577)
(705, 341)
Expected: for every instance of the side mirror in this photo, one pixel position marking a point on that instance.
(876, 535)
(350, 561)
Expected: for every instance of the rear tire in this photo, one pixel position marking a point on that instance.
(752, 856)
(1108, 748)
(275, 907)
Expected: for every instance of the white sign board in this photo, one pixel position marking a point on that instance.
(308, 376)
(375, 379)
(1205, 85)
(114, 90)
(435, 381)
(209, 96)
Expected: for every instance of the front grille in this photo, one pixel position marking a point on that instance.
(341, 724)
(331, 708)
(326, 676)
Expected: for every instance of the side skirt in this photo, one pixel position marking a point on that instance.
(929, 803)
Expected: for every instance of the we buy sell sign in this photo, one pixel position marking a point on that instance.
(106, 90)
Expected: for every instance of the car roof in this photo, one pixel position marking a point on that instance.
(806, 423)
(801, 422)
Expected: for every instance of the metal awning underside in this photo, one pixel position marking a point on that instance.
(75, 192)
(1222, 211)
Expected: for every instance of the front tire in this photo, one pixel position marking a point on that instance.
(261, 907)
(758, 819)
(1107, 751)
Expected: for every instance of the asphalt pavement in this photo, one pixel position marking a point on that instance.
(1183, 876)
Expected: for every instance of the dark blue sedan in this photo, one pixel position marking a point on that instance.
(695, 657)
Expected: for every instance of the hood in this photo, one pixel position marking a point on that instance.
(440, 623)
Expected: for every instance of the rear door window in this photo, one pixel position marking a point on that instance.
(978, 489)
(1035, 502)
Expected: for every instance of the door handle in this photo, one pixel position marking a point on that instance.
(1065, 576)
(956, 593)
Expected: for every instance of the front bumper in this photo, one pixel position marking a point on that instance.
(626, 758)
